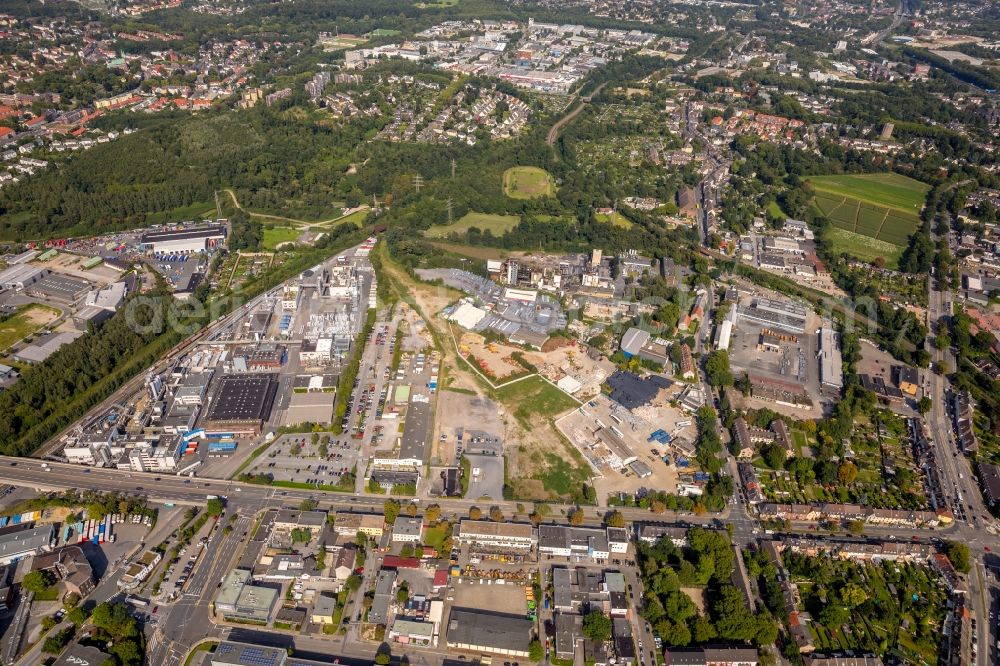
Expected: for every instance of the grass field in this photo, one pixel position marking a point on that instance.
(526, 182)
(498, 225)
(274, 236)
(874, 214)
(534, 397)
(357, 217)
(472, 251)
(616, 219)
(26, 321)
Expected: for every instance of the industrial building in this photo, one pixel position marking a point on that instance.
(482, 534)
(776, 314)
(59, 287)
(243, 400)
(831, 365)
(22, 540)
(100, 305)
(184, 241)
(480, 631)
(637, 342)
(20, 276)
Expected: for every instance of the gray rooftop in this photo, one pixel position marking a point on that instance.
(490, 631)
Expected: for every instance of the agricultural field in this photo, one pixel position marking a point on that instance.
(889, 190)
(28, 320)
(524, 182)
(862, 247)
(497, 225)
(884, 207)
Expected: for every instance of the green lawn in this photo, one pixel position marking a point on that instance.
(534, 397)
(524, 182)
(616, 219)
(497, 225)
(274, 236)
(28, 320)
(357, 217)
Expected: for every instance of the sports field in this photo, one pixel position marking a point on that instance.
(524, 182)
(498, 225)
(884, 207)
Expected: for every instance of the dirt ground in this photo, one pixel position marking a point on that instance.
(697, 595)
(569, 360)
(469, 412)
(494, 358)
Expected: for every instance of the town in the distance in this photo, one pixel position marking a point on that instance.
(499, 332)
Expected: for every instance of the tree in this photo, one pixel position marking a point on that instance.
(475, 513)
(354, 582)
(924, 405)
(496, 514)
(614, 518)
(856, 527)
(214, 507)
(717, 369)
(411, 509)
(774, 456)
(308, 504)
(391, 510)
(847, 473)
(597, 626)
(535, 651)
(432, 514)
(853, 595)
(38, 581)
(576, 516)
(383, 659)
(703, 629)
(54, 644)
(958, 553)
(77, 616)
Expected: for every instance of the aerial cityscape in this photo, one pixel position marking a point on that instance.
(499, 332)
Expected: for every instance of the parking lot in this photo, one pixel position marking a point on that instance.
(295, 458)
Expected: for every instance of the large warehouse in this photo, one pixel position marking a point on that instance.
(242, 403)
(184, 241)
(480, 631)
